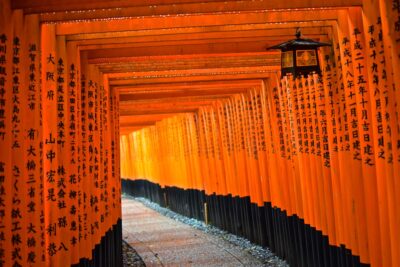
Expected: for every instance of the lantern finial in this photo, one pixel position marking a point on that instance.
(298, 33)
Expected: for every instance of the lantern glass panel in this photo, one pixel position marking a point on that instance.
(306, 58)
(287, 59)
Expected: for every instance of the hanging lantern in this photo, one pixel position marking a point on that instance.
(299, 56)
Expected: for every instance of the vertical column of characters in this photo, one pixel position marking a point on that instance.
(364, 117)
(92, 180)
(315, 143)
(234, 145)
(197, 120)
(219, 160)
(309, 150)
(286, 147)
(114, 187)
(62, 185)
(71, 105)
(212, 150)
(341, 141)
(261, 122)
(304, 152)
(258, 162)
(102, 147)
(237, 147)
(296, 110)
(260, 144)
(322, 152)
(50, 155)
(281, 121)
(106, 153)
(195, 150)
(244, 112)
(6, 180)
(79, 152)
(269, 130)
(206, 152)
(230, 147)
(111, 170)
(117, 158)
(112, 155)
(97, 172)
(277, 138)
(382, 104)
(250, 167)
(18, 162)
(117, 115)
(390, 19)
(327, 110)
(244, 147)
(219, 164)
(386, 13)
(291, 91)
(117, 206)
(255, 164)
(321, 110)
(33, 139)
(352, 146)
(91, 155)
(224, 146)
(209, 151)
(84, 221)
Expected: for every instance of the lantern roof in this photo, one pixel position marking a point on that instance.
(298, 43)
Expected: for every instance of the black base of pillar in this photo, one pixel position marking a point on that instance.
(288, 236)
(108, 252)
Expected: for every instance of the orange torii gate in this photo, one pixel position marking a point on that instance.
(306, 166)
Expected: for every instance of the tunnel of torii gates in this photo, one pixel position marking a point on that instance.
(182, 100)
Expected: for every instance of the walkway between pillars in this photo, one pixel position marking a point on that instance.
(161, 241)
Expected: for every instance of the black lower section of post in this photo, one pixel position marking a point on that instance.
(108, 252)
(288, 236)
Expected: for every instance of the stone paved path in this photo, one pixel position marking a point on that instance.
(162, 241)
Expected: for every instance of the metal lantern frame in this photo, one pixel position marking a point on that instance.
(299, 56)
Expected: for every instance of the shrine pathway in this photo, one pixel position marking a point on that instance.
(162, 241)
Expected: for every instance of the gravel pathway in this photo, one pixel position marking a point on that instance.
(130, 257)
(175, 240)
